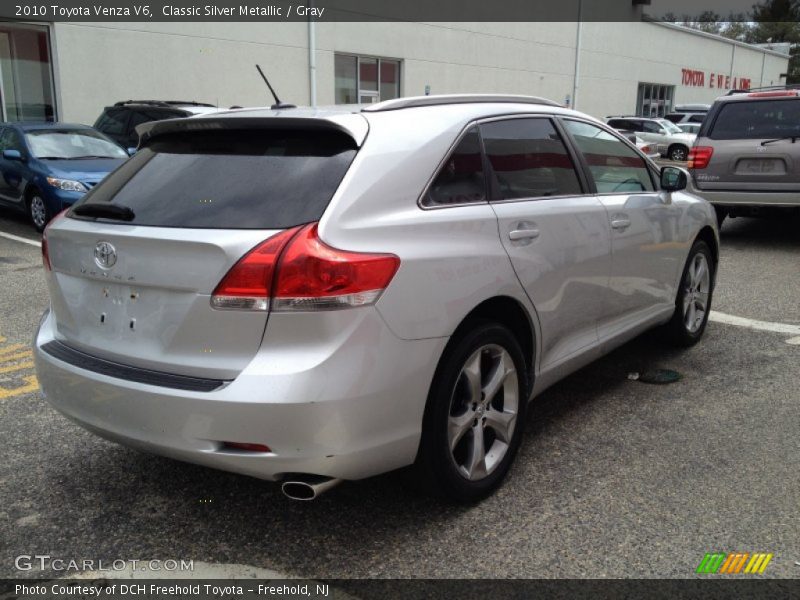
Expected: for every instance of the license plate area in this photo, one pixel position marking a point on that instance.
(761, 166)
(115, 306)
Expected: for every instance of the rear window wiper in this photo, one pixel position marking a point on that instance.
(104, 211)
(788, 137)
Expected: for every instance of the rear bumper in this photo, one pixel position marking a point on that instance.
(351, 408)
(746, 198)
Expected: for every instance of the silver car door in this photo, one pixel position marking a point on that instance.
(644, 226)
(556, 236)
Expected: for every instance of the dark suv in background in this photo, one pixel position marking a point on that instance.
(746, 160)
(119, 121)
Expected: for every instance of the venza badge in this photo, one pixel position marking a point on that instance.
(105, 255)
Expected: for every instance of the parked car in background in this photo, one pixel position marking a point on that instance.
(649, 150)
(746, 160)
(679, 118)
(671, 141)
(358, 315)
(119, 121)
(46, 167)
(692, 128)
(691, 108)
(688, 113)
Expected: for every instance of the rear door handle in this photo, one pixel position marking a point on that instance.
(620, 223)
(523, 234)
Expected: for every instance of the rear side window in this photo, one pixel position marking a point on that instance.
(757, 119)
(113, 122)
(615, 166)
(461, 180)
(697, 118)
(257, 179)
(622, 124)
(528, 159)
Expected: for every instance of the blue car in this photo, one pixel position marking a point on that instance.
(46, 167)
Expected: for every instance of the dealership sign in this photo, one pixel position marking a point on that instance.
(694, 78)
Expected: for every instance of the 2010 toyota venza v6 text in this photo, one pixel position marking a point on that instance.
(309, 296)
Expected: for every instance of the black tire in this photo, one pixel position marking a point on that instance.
(436, 468)
(38, 211)
(678, 153)
(722, 212)
(678, 331)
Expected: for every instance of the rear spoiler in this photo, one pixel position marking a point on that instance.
(353, 125)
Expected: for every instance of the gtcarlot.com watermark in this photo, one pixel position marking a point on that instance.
(45, 562)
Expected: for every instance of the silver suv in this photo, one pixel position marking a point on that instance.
(746, 159)
(307, 296)
(671, 141)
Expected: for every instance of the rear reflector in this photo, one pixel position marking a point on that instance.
(296, 271)
(247, 447)
(699, 157)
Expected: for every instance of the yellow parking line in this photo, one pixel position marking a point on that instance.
(11, 349)
(19, 367)
(8, 359)
(31, 385)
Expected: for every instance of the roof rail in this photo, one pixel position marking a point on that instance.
(767, 88)
(444, 99)
(163, 103)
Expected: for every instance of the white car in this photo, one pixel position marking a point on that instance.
(672, 142)
(693, 128)
(309, 296)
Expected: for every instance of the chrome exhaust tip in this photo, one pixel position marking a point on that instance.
(308, 487)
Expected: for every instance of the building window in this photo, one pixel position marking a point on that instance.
(364, 80)
(26, 77)
(654, 99)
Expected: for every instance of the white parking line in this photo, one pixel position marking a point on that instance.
(793, 330)
(17, 238)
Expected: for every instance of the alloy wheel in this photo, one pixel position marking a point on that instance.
(38, 212)
(483, 412)
(697, 288)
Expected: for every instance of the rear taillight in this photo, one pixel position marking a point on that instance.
(45, 253)
(247, 286)
(296, 271)
(773, 94)
(45, 248)
(699, 157)
(314, 276)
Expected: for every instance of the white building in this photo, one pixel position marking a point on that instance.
(70, 71)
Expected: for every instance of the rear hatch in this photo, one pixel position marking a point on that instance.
(754, 146)
(136, 289)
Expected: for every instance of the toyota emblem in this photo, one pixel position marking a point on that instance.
(105, 255)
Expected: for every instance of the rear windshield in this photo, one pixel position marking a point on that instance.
(256, 179)
(757, 120)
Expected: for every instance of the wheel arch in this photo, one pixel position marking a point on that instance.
(30, 188)
(511, 313)
(677, 145)
(706, 234)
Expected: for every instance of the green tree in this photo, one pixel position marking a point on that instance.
(778, 21)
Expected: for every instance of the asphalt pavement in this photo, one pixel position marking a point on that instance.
(616, 478)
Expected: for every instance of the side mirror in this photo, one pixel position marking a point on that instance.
(673, 179)
(12, 155)
(131, 151)
(662, 131)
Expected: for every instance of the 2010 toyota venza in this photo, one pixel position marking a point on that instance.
(309, 296)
